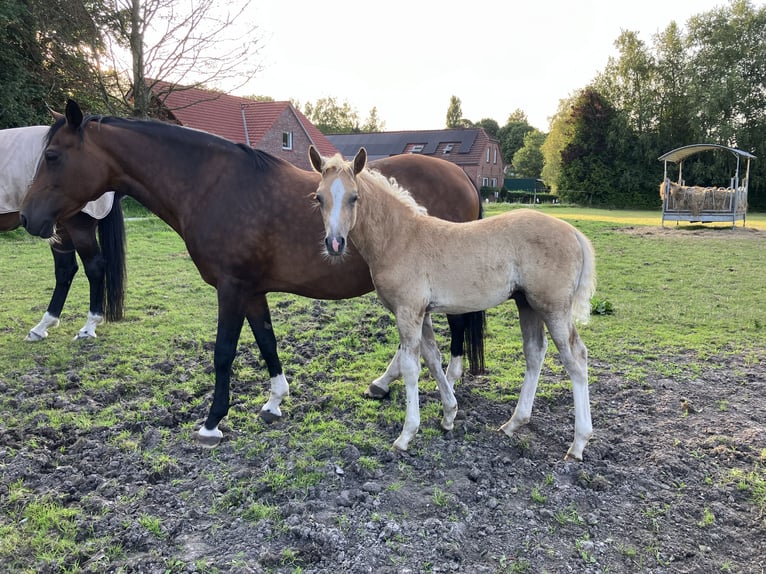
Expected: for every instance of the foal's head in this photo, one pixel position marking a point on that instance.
(337, 196)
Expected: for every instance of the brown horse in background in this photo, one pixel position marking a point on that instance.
(422, 265)
(247, 218)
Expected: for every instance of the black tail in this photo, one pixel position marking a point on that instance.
(111, 236)
(475, 324)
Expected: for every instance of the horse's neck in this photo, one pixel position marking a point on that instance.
(146, 173)
(381, 220)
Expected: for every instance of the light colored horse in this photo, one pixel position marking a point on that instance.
(20, 152)
(421, 264)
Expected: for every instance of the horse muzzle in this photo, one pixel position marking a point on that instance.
(335, 245)
(41, 227)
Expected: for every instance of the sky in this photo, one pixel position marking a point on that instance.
(407, 58)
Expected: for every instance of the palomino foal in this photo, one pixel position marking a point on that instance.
(420, 264)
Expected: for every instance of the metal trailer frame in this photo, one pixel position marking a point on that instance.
(736, 209)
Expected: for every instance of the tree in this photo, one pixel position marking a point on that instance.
(46, 56)
(170, 43)
(373, 123)
(455, 113)
(511, 137)
(330, 117)
(528, 160)
(558, 138)
(490, 126)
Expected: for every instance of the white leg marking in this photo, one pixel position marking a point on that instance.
(279, 390)
(454, 370)
(89, 329)
(409, 364)
(433, 358)
(40, 331)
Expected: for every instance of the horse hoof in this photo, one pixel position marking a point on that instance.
(208, 441)
(376, 392)
(268, 417)
(209, 438)
(34, 337)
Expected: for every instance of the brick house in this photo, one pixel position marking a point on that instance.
(275, 127)
(477, 153)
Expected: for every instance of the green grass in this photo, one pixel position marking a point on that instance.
(675, 294)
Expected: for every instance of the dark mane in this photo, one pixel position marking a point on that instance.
(263, 161)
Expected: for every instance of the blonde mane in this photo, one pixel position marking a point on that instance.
(372, 178)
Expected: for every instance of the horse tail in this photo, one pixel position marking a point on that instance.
(111, 236)
(476, 322)
(475, 330)
(586, 282)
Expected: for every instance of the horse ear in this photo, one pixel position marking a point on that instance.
(56, 116)
(360, 160)
(315, 159)
(73, 114)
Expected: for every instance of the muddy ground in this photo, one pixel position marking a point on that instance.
(663, 487)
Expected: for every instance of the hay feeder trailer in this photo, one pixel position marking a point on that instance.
(704, 204)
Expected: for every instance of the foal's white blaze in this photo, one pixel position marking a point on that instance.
(338, 191)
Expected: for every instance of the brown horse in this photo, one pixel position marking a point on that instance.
(422, 264)
(247, 219)
(103, 258)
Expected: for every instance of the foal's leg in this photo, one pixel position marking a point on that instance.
(433, 359)
(574, 355)
(379, 388)
(259, 317)
(535, 346)
(410, 324)
(231, 316)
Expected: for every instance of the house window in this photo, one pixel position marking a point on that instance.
(417, 148)
(484, 181)
(487, 155)
(494, 182)
(448, 148)
(495, 157)
(287, 140)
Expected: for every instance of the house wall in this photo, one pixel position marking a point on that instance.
(272, 141)
(492, 168)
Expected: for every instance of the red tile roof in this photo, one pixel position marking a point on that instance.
(238, 119)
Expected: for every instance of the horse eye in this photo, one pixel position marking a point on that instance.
(51, 156)
(354, 198)
(318, 198)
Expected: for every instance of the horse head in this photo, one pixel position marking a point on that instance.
(67, 177)
(337, 196)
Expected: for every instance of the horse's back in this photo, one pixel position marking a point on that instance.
(439, 185)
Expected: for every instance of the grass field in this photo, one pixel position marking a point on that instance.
(670, 303)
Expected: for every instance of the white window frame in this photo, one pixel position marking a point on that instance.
(485, 182)
(287, 140)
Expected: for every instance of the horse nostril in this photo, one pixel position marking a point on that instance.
(335, 245)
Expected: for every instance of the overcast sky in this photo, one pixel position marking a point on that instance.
(408, 57)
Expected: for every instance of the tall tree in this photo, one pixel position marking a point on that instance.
(373, 123)
(454, 112)
(174, 43)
